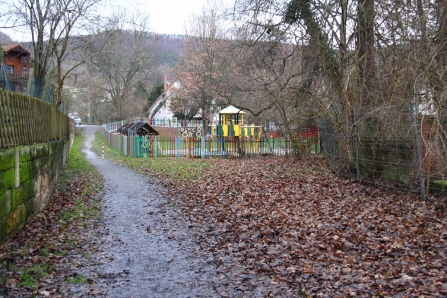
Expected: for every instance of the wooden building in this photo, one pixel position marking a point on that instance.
(15, 68)
(139, 128)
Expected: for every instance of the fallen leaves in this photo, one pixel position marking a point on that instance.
(275, 229)
(309, 231)
(41, 259)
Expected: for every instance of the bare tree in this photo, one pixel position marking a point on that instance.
(128, 61)
(202, 63)
(56, 29)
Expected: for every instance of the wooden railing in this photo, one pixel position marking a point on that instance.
(20, 78)
(25, 120)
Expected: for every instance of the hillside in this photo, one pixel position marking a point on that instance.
(169, 47)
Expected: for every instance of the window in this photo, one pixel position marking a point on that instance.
(9, 69)
(25, 70)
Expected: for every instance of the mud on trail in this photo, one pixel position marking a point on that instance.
(148, 249)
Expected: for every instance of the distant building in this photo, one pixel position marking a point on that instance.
(163, 107)
(15, 68)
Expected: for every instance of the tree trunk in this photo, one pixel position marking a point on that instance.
(365, 52)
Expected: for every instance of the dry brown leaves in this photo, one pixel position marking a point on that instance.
(47, 256)
(311, 232)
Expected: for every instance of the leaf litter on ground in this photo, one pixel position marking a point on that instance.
(311, 232)
(274, 227)
(46, 257)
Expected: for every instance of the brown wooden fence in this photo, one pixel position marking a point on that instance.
(25, 120)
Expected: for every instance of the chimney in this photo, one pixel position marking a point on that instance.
(166, 83)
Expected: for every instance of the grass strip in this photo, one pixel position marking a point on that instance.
(175, 169)
(35, 260)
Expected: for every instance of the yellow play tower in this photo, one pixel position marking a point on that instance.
(232, 123)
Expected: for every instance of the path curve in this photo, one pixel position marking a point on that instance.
(149, 251)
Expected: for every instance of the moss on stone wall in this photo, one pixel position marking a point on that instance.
(38, 172)
(7, 179)
(15, 219)
(29, 206)
(7, 159)
(28, 190)
(5, 202)
(17, 197)
(25, 153)
(26, 171)
(39, 150)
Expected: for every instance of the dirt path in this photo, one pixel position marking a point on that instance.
(149, 251)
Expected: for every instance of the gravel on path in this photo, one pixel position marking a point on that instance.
(148, 248)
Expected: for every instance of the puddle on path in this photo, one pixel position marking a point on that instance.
(148, 250)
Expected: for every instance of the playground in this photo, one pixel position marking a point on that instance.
(230, 137)
(257, 227)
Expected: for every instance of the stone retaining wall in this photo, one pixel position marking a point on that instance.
(28, 175)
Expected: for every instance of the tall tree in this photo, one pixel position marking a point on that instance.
(128, 61)
(365, 51)
(200, 66)
(55, 27)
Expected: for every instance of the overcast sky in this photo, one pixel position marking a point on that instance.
(169, 16)
(165, 16)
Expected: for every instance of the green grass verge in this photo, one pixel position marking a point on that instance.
(177, 169)
(75, 206)
(79, 168)
(33, 273)
(76, 162)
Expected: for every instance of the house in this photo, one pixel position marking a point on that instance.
(15, 68)
(167, 104)
(162, 107)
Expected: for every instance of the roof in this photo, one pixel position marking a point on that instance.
(157, 102)
(15, 48)
(139, 128)
(184, 78)
(231, 110)
(124, 127)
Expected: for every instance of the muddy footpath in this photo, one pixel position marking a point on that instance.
(138, 243)
(148, 249)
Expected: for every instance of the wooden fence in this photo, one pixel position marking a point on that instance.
(163, 146)
(25, 120)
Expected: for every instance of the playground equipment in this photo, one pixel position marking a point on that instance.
(232, 124)
(230, 137)
(139, 128)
